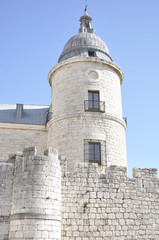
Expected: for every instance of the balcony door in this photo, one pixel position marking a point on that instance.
(93, 100)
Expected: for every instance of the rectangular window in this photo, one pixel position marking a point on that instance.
(93, 100)
(94, 152)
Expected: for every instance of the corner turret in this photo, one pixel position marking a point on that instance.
(87, 123)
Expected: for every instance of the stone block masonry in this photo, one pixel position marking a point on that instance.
(72, 123)
(110, 206)
(6, 179)
(36, 205)
(42, 200)
(30, 206)
(15, 137)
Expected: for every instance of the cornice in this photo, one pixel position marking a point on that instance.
(112, 65)
(22, 127)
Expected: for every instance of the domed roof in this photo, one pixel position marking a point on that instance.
(86, 43)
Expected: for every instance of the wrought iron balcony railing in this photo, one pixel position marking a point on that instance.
(94, 106)
(125, 120)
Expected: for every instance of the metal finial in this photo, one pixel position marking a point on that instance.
(86, 5)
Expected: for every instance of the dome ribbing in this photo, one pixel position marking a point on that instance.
(86, 43)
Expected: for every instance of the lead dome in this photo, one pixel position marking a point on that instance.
(86, 43)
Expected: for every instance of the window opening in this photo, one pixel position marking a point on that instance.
(93, 100)
(94, 152)
(91, 53)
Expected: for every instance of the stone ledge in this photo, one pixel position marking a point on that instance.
(77, 115)
(33, 215)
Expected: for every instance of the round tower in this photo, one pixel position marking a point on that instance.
(86, 123)
(36, 197)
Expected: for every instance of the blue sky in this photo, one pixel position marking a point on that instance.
(34, 32)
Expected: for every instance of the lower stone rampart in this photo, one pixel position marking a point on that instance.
(97, 203)
(109, 205)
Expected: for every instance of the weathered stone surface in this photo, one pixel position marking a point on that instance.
(15, 137)
(110, 206)
(90, 205)
(36, 196)
(6, 179)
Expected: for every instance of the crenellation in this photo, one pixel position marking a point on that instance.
(109, 202)
(35, 196)
(31, 151)
(143, 173)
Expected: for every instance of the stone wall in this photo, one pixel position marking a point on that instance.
(6, 178)
(94, 202)
(99, 206)
(15, 137)
(70, 140)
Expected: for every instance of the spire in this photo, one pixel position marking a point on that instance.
(86, 5)
(85, 25)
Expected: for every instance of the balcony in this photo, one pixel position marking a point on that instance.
(94, 106)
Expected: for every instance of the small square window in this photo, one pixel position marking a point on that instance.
(91, 53)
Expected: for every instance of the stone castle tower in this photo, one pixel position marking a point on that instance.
(87, 123)
(78, 188)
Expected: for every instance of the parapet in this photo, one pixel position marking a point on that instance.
(145, 178)
(145, 173)
(30, 151)
(104, 197)
(104, 203)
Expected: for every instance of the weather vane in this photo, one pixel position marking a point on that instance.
(86, 5)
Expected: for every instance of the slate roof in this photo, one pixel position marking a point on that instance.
(32, 114)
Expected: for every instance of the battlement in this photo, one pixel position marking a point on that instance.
(104, 203)
(41, 199)
(110, 172)
(145, 173)
(31, 199)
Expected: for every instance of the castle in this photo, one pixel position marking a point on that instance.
(63, 167)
